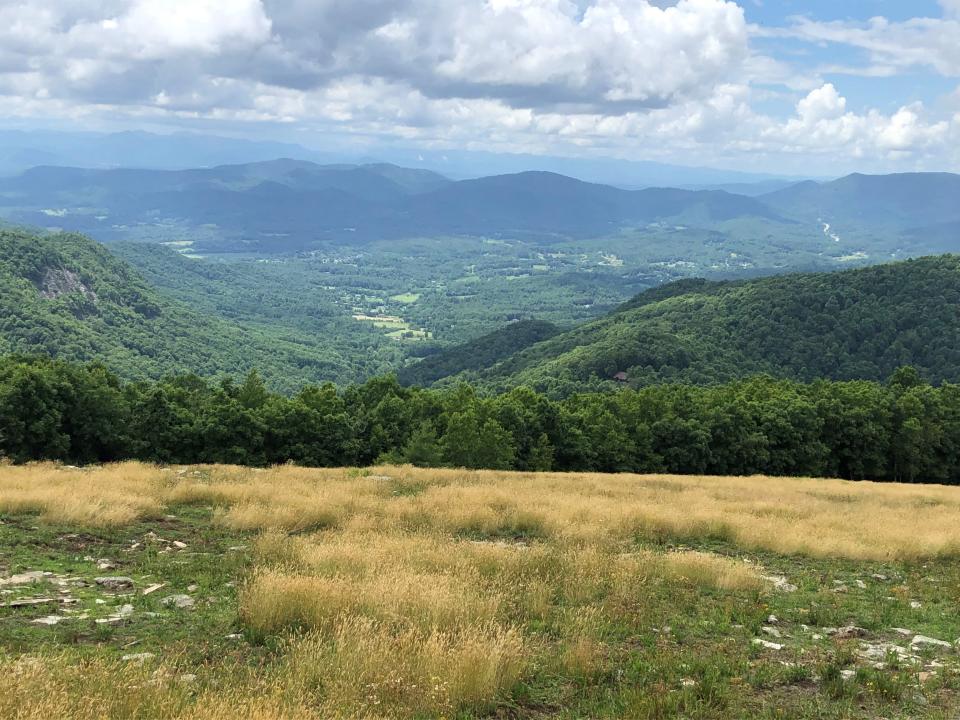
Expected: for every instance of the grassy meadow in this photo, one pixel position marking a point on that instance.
(208, 592)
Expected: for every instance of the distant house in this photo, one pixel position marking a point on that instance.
(621, 377)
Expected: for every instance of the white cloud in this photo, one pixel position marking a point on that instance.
(161, 28)
(823, 103)
(918, 42)
(673, 80)
(823, 126)
(526, 53)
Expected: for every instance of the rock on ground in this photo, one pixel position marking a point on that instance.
(930, 642)
(114, 582)
(182, 602)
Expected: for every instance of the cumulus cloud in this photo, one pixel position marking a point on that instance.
(822, 125)
(613, 54)
(165, 29)
(621, 77)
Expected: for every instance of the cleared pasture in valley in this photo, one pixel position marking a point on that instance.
(406, 593)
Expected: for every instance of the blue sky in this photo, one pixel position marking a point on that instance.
(888, 93)
(789, 87)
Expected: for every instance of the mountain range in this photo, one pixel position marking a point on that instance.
(292, 205)
(21, 150)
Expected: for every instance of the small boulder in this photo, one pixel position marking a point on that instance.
(114, 582)
(780, 583)
(771, 631)
(182, 602)
(848, 632)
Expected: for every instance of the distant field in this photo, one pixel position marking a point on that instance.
(406, 298)
(213, 592)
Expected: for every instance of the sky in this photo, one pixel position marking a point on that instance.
(811, 87)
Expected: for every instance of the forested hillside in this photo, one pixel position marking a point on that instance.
(857, 324)
(67, 297)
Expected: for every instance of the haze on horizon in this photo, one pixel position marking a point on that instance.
(791, 88)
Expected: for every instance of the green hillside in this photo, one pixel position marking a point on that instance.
(857, 324)
(68, 297)
(478, 354)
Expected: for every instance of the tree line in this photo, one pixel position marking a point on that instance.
(904, 429)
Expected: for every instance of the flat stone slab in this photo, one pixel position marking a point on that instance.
(920, 640)
(49, 620)
(138, 657)
(29, 602)
(27, 578)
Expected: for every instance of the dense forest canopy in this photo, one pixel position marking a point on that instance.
(903, 429)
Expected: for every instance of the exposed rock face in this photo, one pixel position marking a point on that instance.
(57, 282)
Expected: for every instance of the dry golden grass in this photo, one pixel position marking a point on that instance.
(368, 669)
(785, 515)
(36, 687)
(102, 497)
(401, 592)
